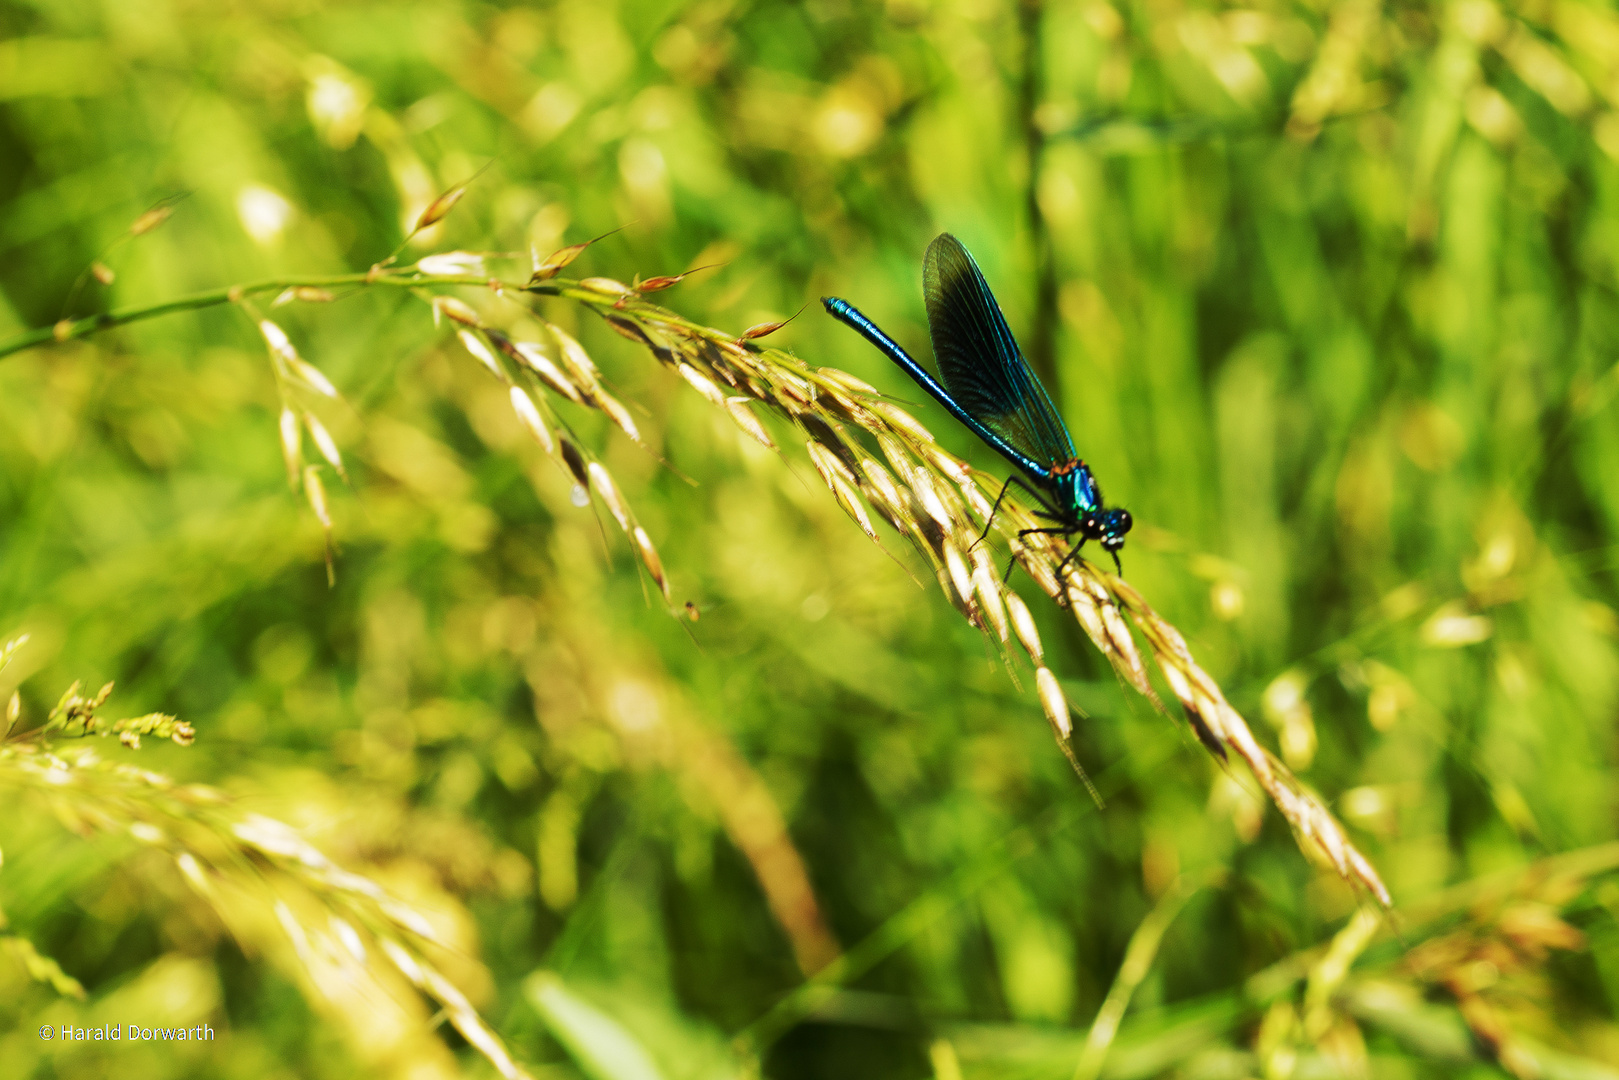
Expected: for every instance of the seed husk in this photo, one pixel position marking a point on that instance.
(548, 372)
(576, 462)
(738, 408)
(553, 263)
(619, 414)
(988, 588)
(702, 384)
(602, 480)
(480, 352)
(529, 414)
(607, 286)
(291, 449)
(1023, 624)
(578, 362)
(150, 220)
(654, 566)
(326, 444)
(455, 310)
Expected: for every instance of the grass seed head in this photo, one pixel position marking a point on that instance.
(607, 286)
(277, 339)
(902, 422)
(455, 310)
(150, 220)
(846, 382)
(743, 415)
(602, 481)
(291, 445)
(315, 492)
(927, 495)
(988, 588)
(849, 495)
(654, 565)
(578, 362)
(1053, 701)
(553, 264)
(439, 208)
(325, 442)
(618, 413)
(529, 414)
(826, 462)
(764, 329)
(576, 462)
(480, 352)
(313, 377)
(102, 272)
(633, 332)
(702, 384)
(1023, 624)
(451, 264)
(960, 577)
(548, 372)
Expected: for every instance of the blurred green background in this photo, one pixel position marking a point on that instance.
(1327, 294)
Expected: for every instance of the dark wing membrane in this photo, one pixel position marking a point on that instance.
(980, 362)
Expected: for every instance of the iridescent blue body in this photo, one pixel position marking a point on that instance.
(987, 384)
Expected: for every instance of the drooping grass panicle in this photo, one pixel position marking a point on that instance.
(942, 505)
(350, 938)
(929, 496)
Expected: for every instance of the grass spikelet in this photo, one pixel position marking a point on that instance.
(315, 492)
(439, 208)
(451, 263)
(849, 498)
(290, 365)
(554, 263)
(649, 558)
(151, 219)
(311, 376)
(529, 414)
(455, 310)
(1055, 704)
(291, 446)
(739, 409)
(988, 590)
(276, 338)
(1023, 624)
(307, 294)
(602, 481)
(702, 384)
(607, 287)
(578, 362)
(325, 443)
(961, 578)
(575, 462)
(535, 359)
(480, 352)
(616, 411)
(41, 968)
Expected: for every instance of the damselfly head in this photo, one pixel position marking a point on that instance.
(1112, 525)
